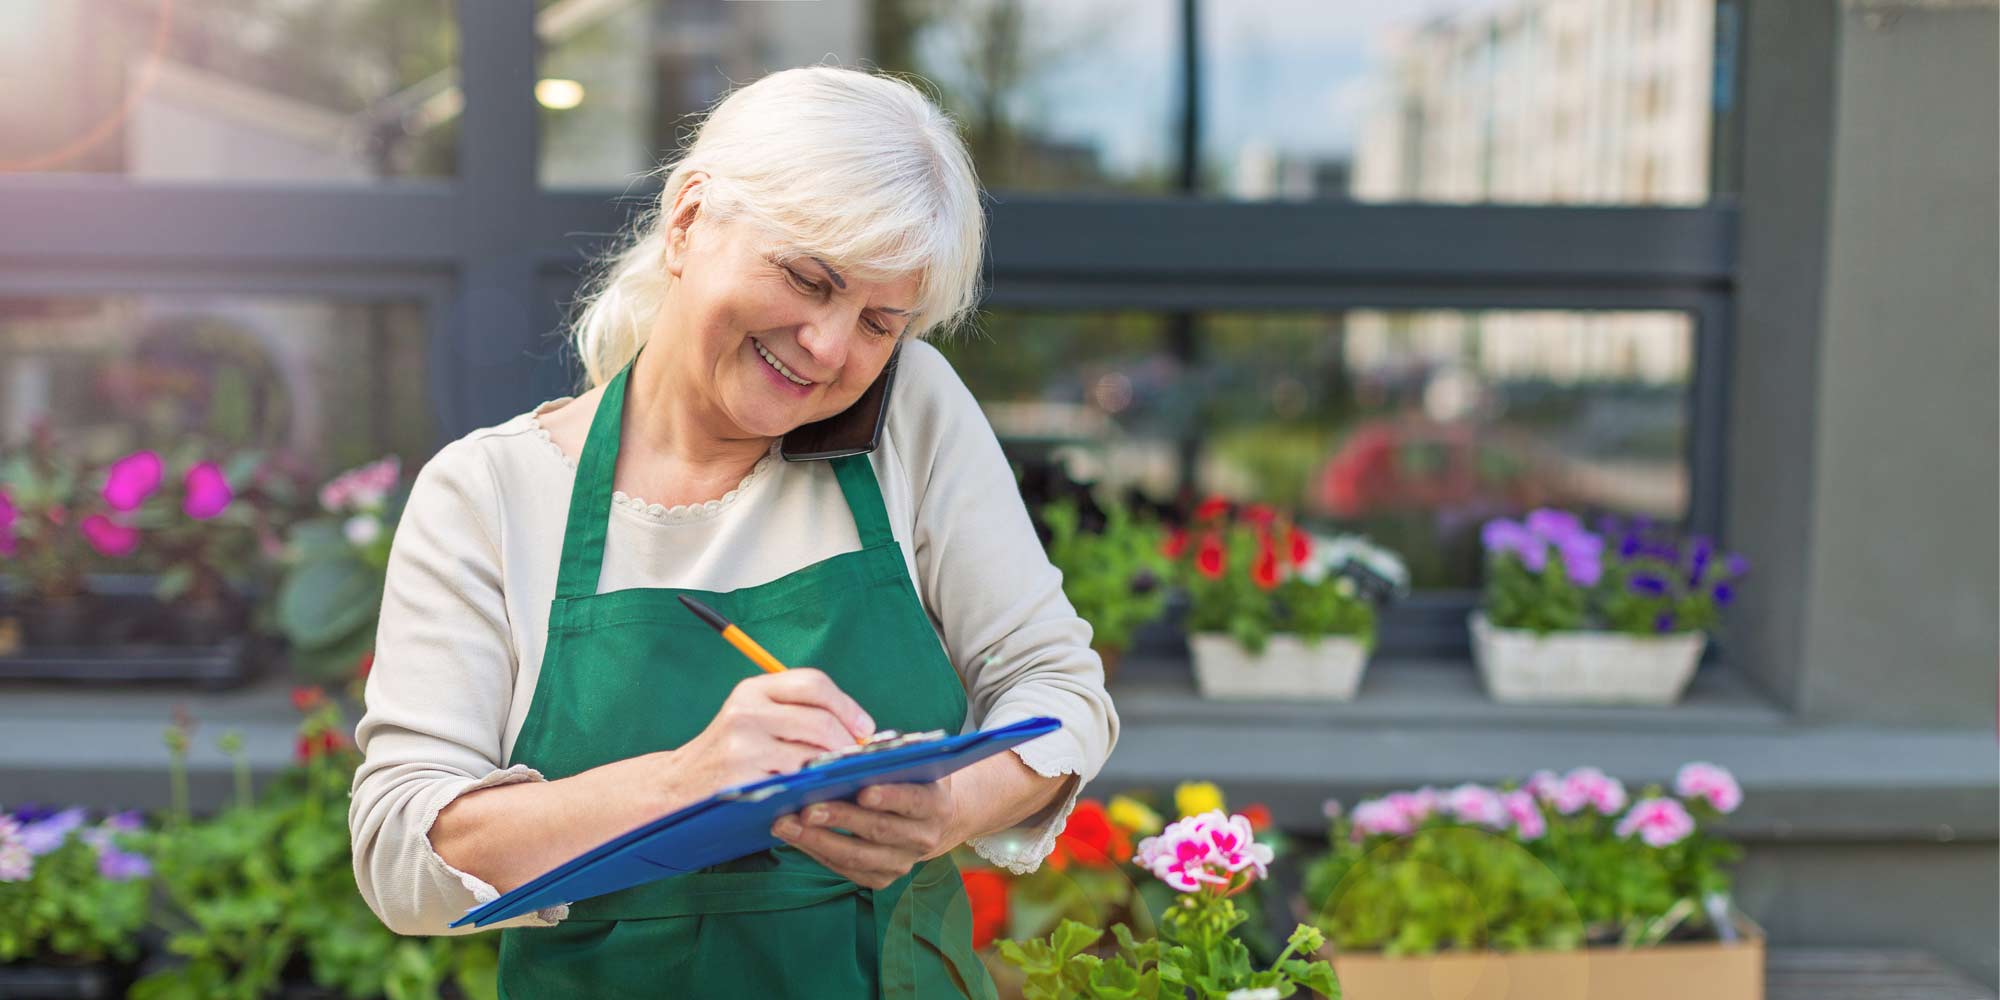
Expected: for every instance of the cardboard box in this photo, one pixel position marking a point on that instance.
(1708, 970)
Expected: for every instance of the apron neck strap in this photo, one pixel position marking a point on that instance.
(590, 497)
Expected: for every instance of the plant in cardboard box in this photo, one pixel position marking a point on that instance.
(1559, 863)
(1205, 860)
(1115, 576)
(263, 894)
(1276, 612)
(1612, 616)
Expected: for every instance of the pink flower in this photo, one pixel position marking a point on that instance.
(131, 480)
(1544, 785)
(1380, 816)
(1195, 853)
(109, 537)
(8, 515)
(1711, 783)
(208, 492)
(362, 488)
(1589, 786)
(1330, 809)
(16, 864)
(1526, 812)
(1658, 822)
(1234, 842)
(1477, 804)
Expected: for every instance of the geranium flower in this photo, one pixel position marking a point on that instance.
(1090, 838)
(329, 741)
(1261, 515)
(1213, 507)
(109, 537)
(361, 488)
(1477, 804)
(1544, 785)
(986, 891)
(1205, 853)
(306, 698)
(1416, 806)
(1526, 812)
(1234, 842)
(1208, 559)
(1658, 822)
(131, 480)
(16, 864)
(1588, 786)
(1258, 815)
(1300, 545)
(1710, 783)
(1376, 817)
(1264, 571)
(207, 490)
(1174, 544)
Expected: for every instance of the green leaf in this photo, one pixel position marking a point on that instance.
(323, 601)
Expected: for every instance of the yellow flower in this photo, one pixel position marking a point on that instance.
(1133, 815)
(1193, 798)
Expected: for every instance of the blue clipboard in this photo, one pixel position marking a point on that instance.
(737, 821)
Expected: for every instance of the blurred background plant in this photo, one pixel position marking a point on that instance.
(1115, 573)
(335, 567)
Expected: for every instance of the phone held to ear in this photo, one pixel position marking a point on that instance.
(853, 431)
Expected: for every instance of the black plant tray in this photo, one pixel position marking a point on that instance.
(26, 981)
(223, 665)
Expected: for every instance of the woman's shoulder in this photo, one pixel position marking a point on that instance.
(511, 459)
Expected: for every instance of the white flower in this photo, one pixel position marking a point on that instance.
(1260, 993)
(362, 529)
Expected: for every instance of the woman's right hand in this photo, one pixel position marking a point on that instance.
(770, 724)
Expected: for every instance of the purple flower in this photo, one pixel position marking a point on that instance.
(1737, 565)
(44, 835)
(1554, 525)
(1502, 535)
(122, 866)
(124, 822)
(1664, 623)
(131, 480)
(1628, 546)
(1582, 556)
(1647, 583)
(208, 492)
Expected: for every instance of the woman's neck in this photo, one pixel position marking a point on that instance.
(675, 447)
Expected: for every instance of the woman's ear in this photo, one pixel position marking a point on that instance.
(680, 222)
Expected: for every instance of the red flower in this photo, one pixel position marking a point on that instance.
(986, 890)
(1301, 546)
(1261, 515)
(1175, 544)
(327, 742)
(1211, 508)
(1208, 558)
(1090, 838)
(1264, 572)
(305, 699)
(1259, 817)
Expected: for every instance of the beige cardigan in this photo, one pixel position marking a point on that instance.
(473, 570)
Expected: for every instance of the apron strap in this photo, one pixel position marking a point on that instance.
(589, 524)
(590, 497)
(864, 499)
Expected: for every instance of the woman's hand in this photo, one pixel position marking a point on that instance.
(770, 724)
(894, 827)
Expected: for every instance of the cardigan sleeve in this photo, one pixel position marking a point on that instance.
(438, 697)
(996, 599)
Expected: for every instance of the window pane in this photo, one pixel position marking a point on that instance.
(1068, 95)
(1544, 101)
(1416, 427)
(1098, 393)
(332, 384)
(229, 90)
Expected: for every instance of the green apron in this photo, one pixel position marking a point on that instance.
(631, 672)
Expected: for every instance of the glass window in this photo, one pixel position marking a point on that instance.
(229, 90)
(1542, 101)
(1056, 95)
(330, 384)
(1416, 427)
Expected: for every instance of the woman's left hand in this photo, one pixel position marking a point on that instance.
(895, 827)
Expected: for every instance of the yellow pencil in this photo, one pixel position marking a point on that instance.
(741, 640)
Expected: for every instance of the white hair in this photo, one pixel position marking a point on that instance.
(857, 168)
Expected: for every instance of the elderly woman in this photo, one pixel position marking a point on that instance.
(538, 688)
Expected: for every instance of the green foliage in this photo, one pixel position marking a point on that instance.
(1115, 578)
(269, 884)
(1251, 590)
(41, 484)
(328, 601)
(68, 910)
(1545, 601)
(1196, 954)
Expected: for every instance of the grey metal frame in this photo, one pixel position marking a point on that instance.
(484, 249)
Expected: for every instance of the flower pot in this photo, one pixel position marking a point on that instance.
(1289, 668)
(1595, 668)
(1712, 970)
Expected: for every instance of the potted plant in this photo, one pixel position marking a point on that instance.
(205, 528)
(1204, 860)
(1113, 576)
(1275, 612)
(1564, 885)
(335, 566)
(47, 530)
(72, 902)
(259, 899)
(1569, 617)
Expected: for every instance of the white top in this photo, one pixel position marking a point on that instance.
(473, 570)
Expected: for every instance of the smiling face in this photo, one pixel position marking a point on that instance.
(770, 344)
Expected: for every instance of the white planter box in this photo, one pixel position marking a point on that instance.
(1595, 668)
(1289, 668)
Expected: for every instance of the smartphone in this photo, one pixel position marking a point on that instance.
(853, 431)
